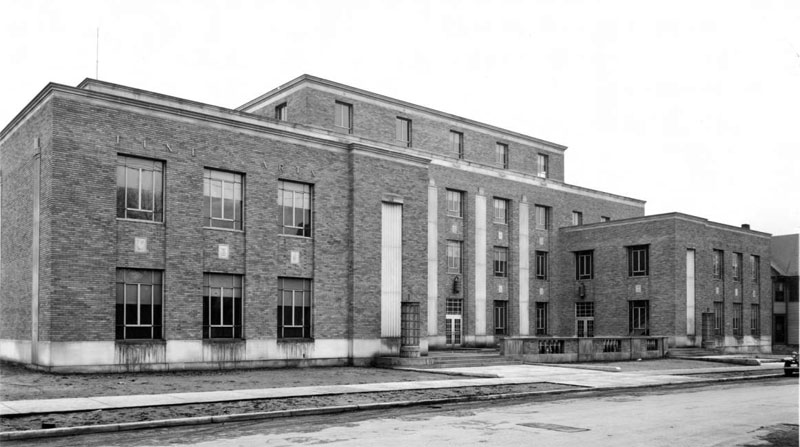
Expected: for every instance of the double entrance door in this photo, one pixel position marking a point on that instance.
(452, 320)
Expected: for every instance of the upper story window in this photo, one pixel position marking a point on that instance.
(454, 203)
(457, 143)
(501, 155)
(295, 201)
(501, 262)
(638, 260)
(403, 131)
(718, 264)
(344, 116)
(140, 189)
(584, 264)
(542, 165)
(281, 112)
(542, 217)
(541, 265)
(500, 211)
(577, 218)
(223, 199)
(755, 267)
(222, 306)
(605, 219)
(139, 304)
(737, 266)
(454, 256)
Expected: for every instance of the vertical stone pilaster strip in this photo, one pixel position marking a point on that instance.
(433, 259)
(480, 263)
(524, 268)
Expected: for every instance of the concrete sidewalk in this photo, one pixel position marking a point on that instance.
(489, 375)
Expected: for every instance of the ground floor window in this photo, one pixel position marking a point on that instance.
(541, 318)
(755, 320)
(222, 306)
(639, 317)
(294, 308)
(737, 319)
(584, 316)
(719, 320)
(501, 317)
(139, 304)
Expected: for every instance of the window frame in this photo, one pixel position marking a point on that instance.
(215, 328)
(584, 260)
(718, 264)
(156, 169)
(736, 320)
(542, 165)
(454, 196)
(719, 318)
(639, 317)
(403, 125)
(638, 260)
(540, 325)
(584, 311)
(501, 154)
(500, 262)
(343, 111)
(501, 207)
(755, 319)
(500, 317)
(541, 265)
(224, 177)
(306, 192)
(156, 314)
(306, 313)
(542, 212)
(577, 218)
(455, 260)
(282, 112)
(605, 219)
(736, 266)
(755, 269)
(457, 143)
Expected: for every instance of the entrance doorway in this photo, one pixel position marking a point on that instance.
(708, 329)
(453, 317)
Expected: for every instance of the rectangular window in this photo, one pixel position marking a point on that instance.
(719, 318)
(638, 260)
(500, 211)
(605, 219)
(501, 262)
(577, 218)
(500, 317)
(140, 189)
(223, 198)
(454, 203)
(541, 318)
(294, 308)
(501, 155)
(639, 318)
(222, 306)
(280, 112)
(780, 294)
(755, 269)
(139, 304)
(584, 264)
(584, 316)
(457, 143)
(344, 116)
(737, 319)
(541, 265)
(295, 203)
(736, 266)
(542, 165)
(719, 264)
(542, 217)
(454, 256)
(454, 306)
(755, 320)
(403, 131)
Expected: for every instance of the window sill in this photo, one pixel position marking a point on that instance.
(223, 340)
(122, 219)
(230, 230)
(454, 216)
(295, 340)
(294, 236)
(141, 342)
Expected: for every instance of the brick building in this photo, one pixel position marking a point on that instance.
(785, 251)
(310, 225)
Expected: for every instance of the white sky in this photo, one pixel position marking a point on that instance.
(693, 106)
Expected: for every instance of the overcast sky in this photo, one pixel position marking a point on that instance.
(692, 106)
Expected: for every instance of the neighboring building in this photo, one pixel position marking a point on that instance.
(785, 255)
(315, 223)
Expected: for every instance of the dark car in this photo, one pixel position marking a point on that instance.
(790, 364)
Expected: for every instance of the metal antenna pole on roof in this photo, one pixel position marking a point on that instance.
(97, 56)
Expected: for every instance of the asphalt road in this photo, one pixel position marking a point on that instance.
(735, 414)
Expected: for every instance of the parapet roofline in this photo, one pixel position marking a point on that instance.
(666, 216)
(306, 78)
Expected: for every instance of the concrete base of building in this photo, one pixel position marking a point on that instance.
(726, 344)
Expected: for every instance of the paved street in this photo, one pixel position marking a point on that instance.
(723, 415)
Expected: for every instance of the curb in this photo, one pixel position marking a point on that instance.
(203, 420)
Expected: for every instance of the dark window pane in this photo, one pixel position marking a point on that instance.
(216, 310)
(130, 314)
(132, 186)
(227, 313)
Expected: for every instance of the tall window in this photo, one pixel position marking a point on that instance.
(736, 265)
(755, 269)
(542, 217)
(541, 318)
(584, 316)
(755, 320)
(500, 317)
(780, 293)
(281, 112)
(584, 264)
(457, 143)
(577, 218)
(403, 131)
(501, 155)
(223, 198)
(295, 201)
(541, 265)
(454, 256)
(454, 203)
(719, 318)
(638, 260)
(718, 263)
(222, 306)
(294, 308)
(140, 186)
(737, 319)
(639, 318)
(501, 262)
(344, 116)
(500, 211)
(139, 304)
(542, 165)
